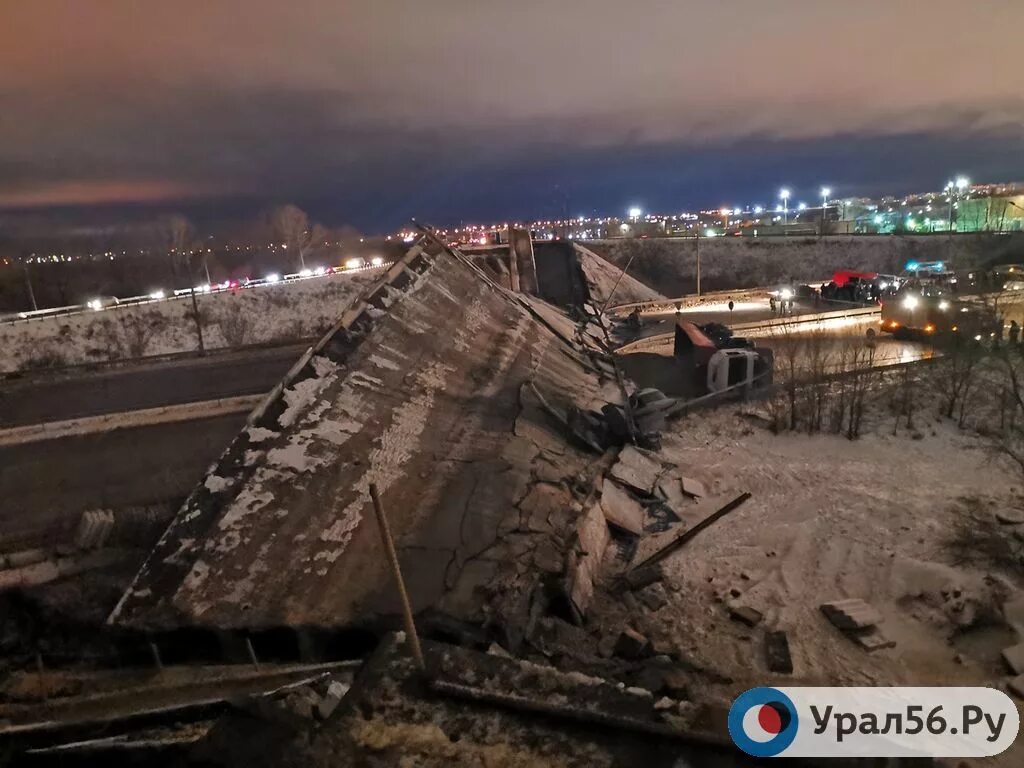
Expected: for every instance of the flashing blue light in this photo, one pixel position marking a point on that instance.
(912, 266)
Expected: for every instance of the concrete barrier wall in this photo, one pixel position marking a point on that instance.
(669, 265)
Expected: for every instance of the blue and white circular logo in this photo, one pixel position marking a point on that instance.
(762, 722)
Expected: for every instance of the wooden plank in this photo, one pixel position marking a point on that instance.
(666, 546)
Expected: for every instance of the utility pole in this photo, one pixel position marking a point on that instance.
(949, 199)
(195, 304)
(28, 284)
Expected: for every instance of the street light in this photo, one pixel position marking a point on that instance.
(954, 190)
(635, 213)
(784, 194)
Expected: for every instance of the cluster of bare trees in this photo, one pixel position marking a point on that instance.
(189, 258)
(820, 383)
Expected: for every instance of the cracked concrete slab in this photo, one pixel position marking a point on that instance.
(637, 469)
(451, 436)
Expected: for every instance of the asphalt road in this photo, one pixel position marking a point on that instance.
(752, 311)
(47, 484)
(55, 397)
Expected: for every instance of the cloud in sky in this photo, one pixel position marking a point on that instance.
(360, 105)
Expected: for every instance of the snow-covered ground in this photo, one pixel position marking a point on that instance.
(830, 518)
(669, 265)
(266, 314)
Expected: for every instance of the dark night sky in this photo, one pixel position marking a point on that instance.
(369, 112)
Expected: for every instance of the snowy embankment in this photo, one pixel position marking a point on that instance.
(669, 265)
(283, 313)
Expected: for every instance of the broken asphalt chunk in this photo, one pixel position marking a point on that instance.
(851, 614)
(641, 577)
(653, 597)
(776, 652)
(746, 615)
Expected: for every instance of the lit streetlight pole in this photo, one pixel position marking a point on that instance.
(954, 189)
(784, 194)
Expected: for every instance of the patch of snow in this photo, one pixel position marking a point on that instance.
(259, 434)
(216, 484)
(383, 362)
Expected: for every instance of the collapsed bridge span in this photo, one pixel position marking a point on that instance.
(426, 387)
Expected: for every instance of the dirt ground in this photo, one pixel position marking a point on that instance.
(881, 518)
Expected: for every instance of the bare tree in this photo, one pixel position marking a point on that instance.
(177, 237)
(292, 225)
(956, 376)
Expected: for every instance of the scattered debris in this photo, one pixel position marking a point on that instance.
(746, 615)
(776, 652)
(851, 614)
(653, 597)
(858, 621)
(872, 639)
(638, 578)
(331, 699)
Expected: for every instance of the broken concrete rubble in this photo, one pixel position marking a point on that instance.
(637, 469)
(858, 621)
(746, 615)
(585, 561)
(632, 645)
(621, 509)
(776, 651)
(851, 614)
(653, 597)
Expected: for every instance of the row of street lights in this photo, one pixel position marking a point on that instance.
(953, 189)
(784, 194)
